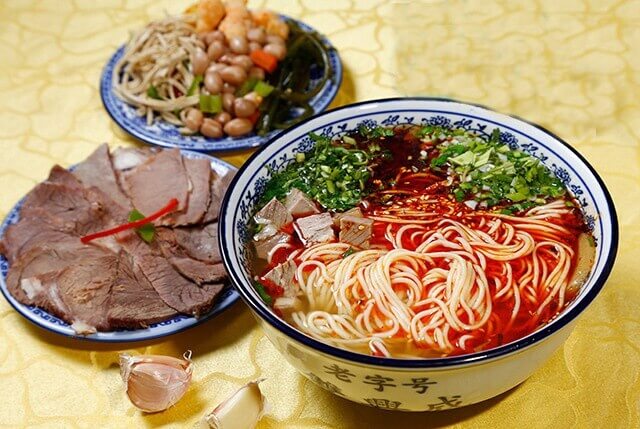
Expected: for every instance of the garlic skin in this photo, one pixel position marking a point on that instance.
(242, 410)
(154, 382)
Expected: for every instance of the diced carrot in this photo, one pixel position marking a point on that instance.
(264, 60)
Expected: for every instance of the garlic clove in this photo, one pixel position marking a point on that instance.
(154, 382)
(242, 410)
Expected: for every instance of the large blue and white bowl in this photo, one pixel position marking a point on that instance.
(419, 384)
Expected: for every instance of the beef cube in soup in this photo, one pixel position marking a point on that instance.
(287, 304)
(355, 231)
(273, 213)
(264, 245)
(315, 228)
(299, 204)
(267, 231)
(283, 275)
(351, 212)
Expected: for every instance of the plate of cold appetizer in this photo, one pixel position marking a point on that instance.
(219, 77)
(110, 250)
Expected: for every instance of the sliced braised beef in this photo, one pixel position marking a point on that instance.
(153, 184)
(60, 202)
(63, 176)
(196, 271)
(32, 264)
(133, 302)
(71, 283)
(200, 242)
(126, 158)
(118, 281)
(315, 228)
(179, 257)
(97, 170)
(300, 204)
(178, 292)
(38, 293)
(356, 231)
(53, 213)
(199, 173)
(174, 289)
(219, 185)
(84, 287)
(30, 234)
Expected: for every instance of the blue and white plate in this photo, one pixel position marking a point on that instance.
(164, 134)
(43, 319)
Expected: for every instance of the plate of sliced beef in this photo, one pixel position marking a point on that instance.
(72, 263)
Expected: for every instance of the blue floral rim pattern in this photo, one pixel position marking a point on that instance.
(164, 134)
(228, 296)
(239, 204)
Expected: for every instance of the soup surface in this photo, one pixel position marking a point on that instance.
(418, 242)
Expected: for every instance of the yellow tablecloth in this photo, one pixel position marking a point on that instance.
(572, 66)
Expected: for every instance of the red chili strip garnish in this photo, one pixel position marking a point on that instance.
(171, 206)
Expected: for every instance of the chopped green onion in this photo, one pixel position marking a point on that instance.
(488, 171)
(351, 141)
(262, 88)
(369, 132)
(459, 195)
(467, 158)
(332, 175)
(263, 293)
(483, 159)
(210, 103)
(246, 87)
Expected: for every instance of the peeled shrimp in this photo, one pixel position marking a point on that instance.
(210, 13)
(237, 20)
(271, 22)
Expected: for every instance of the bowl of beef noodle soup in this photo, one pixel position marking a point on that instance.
(417, 254)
